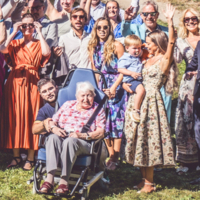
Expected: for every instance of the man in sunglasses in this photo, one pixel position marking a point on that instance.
(149, 15)
(49, 29)
(75, 42)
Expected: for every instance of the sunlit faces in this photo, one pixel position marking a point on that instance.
(112, 10)
(49, 92)
(95, 2)
(134, 50)
(151, 46)
(191, 22)
(150, 19)
(36, 9)
(85, 99)
(103, 30)
(27, 28)
(78, 20)
(67, 4)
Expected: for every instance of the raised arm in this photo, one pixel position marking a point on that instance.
(2, 28)
(87, 9)
(45, 47)
(168, 56)
(51, 12)
(4, 47)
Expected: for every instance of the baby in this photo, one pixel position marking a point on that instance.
(130, 65)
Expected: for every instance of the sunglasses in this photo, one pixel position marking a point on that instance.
(104, 27)
(28, 25)
(37, 8)
(78, 16)
(187, 19)
(149, 13)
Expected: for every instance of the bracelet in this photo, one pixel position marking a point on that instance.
(2, 20)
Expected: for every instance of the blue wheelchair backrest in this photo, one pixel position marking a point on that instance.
(68, 92)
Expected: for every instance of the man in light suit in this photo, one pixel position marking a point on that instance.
(149, 16)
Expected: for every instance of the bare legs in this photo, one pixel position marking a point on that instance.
(16, 153)
(113, 145)
(140, 93)
(147, 175)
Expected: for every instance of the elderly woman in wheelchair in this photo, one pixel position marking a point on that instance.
(66, 141)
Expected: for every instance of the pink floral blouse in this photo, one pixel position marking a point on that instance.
(69, 118)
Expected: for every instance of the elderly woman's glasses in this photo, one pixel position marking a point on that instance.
(102, 27)
(149, 13)
(27, 25)
(193, 19)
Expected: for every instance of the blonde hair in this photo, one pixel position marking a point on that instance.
(160, 39)
(182, 31)
(109, 46)
(132, 40)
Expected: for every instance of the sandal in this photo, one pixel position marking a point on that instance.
(112, 166)
(62, 187)
(46, 185)
(32, 163)
(153, 189)
(18, 163)
(140, 185)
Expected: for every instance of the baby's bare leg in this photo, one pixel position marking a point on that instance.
(140, 93)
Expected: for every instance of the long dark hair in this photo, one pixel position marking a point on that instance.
(106, 11)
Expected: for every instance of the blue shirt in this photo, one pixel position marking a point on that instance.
(47, 111)
(118, 31)
(88, 28)
(131, 63)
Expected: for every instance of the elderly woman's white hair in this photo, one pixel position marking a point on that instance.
(182, 31)
(84, 87)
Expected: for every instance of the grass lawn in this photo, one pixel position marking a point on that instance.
(170, 186)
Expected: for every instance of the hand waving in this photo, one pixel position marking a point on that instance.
(38, 27)
(169, 12)
(128, 15)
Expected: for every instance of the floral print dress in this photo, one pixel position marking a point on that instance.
(116, 106)
(149, 143)
(186, 147)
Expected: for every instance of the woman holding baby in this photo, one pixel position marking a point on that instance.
(149, 143)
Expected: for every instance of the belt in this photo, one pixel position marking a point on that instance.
(19, 71)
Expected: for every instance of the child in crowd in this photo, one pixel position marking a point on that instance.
(130, 65)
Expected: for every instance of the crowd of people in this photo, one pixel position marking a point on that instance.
(41, 42)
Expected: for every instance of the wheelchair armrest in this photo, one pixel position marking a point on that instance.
(41, 142)
(95, 142)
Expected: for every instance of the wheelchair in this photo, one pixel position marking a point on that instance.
(88, 169)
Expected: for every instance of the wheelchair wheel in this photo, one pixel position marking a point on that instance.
(33, 189)
(85, 195)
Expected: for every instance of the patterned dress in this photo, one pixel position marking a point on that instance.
(118, 31)
(116, 106)
(149, 143)
(186, 147)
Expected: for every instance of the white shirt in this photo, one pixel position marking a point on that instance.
(76, 49)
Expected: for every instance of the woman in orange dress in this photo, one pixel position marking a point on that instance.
(21, 100)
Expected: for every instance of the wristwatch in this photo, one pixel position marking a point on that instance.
(88, 137)
(52, 127)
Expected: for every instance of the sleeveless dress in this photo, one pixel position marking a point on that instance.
(149, 143)
(116, 106)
